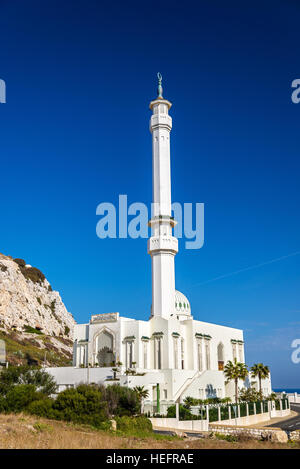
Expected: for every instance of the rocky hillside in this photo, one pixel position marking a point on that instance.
(31, 311)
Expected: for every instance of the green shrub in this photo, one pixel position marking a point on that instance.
(184, 413)
(121, 400)
(43, 427)
(25, 374)
(43, 408)
(213, 400)
(213, 414)
(243, 409)
(230, 438)
(19, 397)
(134, 425)
(3, 405)
(32, 330)
(224, 412)
(86, 404)
(83, 404)
(249, 395)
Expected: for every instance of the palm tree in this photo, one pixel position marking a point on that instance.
(142, 394)
(189, 401)
(234, 371)
(261, 371)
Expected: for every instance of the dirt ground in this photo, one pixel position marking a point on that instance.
(28, 432)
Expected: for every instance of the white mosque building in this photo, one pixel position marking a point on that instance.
(171, 354)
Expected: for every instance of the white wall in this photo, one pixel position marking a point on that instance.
(184, 425)
(69, 376)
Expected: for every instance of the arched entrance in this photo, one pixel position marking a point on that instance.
(105, 352)
(221, 356)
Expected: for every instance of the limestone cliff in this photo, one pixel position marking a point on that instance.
(27, 299)
(31, 310)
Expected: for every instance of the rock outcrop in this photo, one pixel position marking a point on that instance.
(27, 301)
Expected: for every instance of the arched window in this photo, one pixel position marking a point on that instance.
(105, 354)
(221, 356)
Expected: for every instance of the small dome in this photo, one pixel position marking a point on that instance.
(182, 304)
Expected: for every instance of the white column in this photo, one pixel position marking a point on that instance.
(177, 410)
(207, 413)
(162, 246)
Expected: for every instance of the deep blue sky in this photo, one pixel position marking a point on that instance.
(74, 133)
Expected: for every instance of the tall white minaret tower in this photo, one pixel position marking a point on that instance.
(162, 246)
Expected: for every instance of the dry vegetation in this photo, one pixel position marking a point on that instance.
(24, 431)
(23, 348)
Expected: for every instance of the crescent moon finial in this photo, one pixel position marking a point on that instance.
(159, 88)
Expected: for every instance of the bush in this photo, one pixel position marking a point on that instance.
(42, 427)
(230, 438)
(121, 400)
(213, 400)
(86, 404)
(31, 330)
(134, 425)
(83, 404)
(20, 262)
(42, 408)
(3, 405)
(213, 414)
(184, 413)
(42, 381)
(19, 397)
(30, 273)
(249, 395)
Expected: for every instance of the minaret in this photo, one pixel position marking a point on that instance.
(162, 246)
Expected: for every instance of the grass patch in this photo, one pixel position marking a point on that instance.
(17, 351)
(32, 330)
(43, 427)
(230, 438)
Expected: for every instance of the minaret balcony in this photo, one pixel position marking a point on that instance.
(163, 243)
(161, 121)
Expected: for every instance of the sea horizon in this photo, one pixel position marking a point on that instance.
(288, 390)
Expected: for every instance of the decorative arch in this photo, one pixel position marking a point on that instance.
(220, 351)
(104, 347)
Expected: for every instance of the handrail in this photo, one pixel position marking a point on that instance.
(185, 384)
